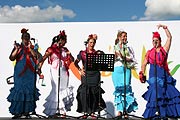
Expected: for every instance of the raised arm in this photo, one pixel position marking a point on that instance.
(169, 37)
(14, 52)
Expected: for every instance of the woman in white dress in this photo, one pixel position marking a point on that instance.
(61, 96)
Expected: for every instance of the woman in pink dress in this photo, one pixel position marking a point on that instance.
(163, 99)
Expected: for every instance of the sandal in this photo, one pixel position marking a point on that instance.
(63, 116)
(53, 116)
(119, 115)
(16, 116)
(93, 116)
(125, 116)
(85, 116)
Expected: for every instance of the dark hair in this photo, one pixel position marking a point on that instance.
(62, 36)
(91, 36)
(54, 40)
(25, 34)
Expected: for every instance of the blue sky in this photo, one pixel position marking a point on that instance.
(17, 11)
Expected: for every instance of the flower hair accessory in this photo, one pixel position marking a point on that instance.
(62, 35)
(24, 30)
(156, 35)
(95, 36)
(92, 36)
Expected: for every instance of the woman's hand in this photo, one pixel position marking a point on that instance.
(16, 45)
(163, 26)
(82, 72)
(142, 77)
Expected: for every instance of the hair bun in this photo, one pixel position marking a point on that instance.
(24, 30)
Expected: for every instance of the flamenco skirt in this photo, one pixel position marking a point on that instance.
(88, 99)
(23, 100)
(24, 94)
(65, 101)
(118, 80)
(164, 97)
(66, 96)
(89, 94)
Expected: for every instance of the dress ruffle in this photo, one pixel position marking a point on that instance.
(131, 104)
(89, 97)
(119, 95)
(168, 97)
(66, 99)
(22, 100)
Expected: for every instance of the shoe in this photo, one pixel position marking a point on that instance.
(125, 116)
(119, 115)
(17, 116)
(63, 116)
(85, 116)
(53, 116)
(28, 117)
(50, 116)
(93, 117)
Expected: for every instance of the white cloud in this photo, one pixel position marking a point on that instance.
(161, 9)
(134, 17)
(33, 14)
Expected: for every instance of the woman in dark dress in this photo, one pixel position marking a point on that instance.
(89, 93)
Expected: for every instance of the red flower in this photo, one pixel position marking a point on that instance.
(90, 36)
(62, 33)
(156, 35)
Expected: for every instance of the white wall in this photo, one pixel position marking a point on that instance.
(139, 35)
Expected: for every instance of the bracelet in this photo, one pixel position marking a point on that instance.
(165, 27)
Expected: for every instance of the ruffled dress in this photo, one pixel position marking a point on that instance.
(162, 97)
(61, 96)
(130, 105)
(24, 94)
(89, 94)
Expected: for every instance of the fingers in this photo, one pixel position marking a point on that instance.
(16, 45)
(160, 25)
